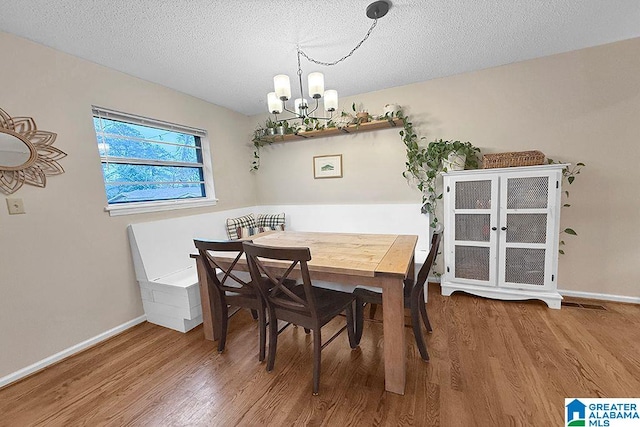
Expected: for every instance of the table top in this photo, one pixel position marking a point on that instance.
(366, 255)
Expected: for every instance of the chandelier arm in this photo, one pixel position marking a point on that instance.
(284, 107)
(296, 117)
(328, 64)
(315, 108)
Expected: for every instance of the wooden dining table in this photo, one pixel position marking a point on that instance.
(378, 260)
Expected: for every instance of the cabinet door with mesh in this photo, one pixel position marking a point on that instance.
(526, 230)
(473, 213)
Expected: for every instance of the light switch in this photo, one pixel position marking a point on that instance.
(15, 206)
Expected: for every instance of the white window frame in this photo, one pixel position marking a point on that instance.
(117, 209)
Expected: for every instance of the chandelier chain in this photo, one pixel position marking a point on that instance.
(328, 64)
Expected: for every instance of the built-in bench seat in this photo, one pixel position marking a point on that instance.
(173, 301)
(168, 278)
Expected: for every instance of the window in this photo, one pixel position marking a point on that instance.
(151, 165)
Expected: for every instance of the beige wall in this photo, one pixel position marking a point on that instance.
(582, 106)
(65, 267)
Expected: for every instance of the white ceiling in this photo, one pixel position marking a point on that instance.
(228, 52)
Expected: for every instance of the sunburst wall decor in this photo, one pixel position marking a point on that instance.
(27, 155)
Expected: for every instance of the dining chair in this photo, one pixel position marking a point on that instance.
(304, 305)
(229, 289)
(413, 299)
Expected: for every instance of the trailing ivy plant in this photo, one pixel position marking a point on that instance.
(568, 177)
(261, 138)
(424, 164)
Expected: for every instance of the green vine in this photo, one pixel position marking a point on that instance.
(424, 164)
(263, 136)
(260, 139)
(568, 177)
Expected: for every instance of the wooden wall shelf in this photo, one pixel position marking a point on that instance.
(364, 127)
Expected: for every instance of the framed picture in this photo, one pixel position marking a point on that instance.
(327, 166)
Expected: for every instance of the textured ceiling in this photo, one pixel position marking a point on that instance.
(228, 52)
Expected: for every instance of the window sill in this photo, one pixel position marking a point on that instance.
(145, 207)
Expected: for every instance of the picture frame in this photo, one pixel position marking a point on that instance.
(329, 166)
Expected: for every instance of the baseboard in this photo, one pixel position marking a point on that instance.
(604, 297)
(69, 352)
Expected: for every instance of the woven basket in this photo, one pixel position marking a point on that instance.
(516, 158)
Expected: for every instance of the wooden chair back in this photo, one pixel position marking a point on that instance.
(423, 274)
(273, 289)
(223, 284)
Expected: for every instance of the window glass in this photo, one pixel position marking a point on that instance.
(143, 161)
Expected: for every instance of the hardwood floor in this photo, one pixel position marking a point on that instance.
(492, 363)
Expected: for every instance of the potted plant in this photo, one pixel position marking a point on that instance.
(362, 115)
(391, 110)
(283, 128)
(344, 120)
(452, 155)
(270, 126)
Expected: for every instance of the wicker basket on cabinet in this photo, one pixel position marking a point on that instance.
(511, 159)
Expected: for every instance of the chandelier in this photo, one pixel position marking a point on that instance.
(277, 100)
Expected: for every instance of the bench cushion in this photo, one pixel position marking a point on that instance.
(234, 223)
(271, 220)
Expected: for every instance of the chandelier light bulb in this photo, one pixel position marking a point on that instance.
(316, 85)
(331, 100)
(275, 104)
(300, 106)
(282, 86)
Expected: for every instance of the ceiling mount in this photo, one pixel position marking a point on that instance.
(378, 9)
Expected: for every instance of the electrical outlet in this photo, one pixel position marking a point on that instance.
(16, 206)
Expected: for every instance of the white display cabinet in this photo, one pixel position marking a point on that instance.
(501, 231)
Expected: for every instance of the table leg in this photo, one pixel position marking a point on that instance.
(395, 350)
(210, 332)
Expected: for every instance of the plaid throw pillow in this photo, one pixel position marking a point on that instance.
(234, 223)
(244, 232)
(271, 220)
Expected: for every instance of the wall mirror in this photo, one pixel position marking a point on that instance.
(15, 152)
(27, 155)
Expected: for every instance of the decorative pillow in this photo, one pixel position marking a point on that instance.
(270, 220)
(244, 232)
(234, 223)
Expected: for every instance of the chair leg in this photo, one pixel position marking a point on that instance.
(262, 325)
(423, 312)
(372, 310)
(223, 320)
(317, 348)
(273, 340)
(417, 330)
(359, 318)
(254, 314)
(354, 337)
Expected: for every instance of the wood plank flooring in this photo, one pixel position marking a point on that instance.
(492, 363)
